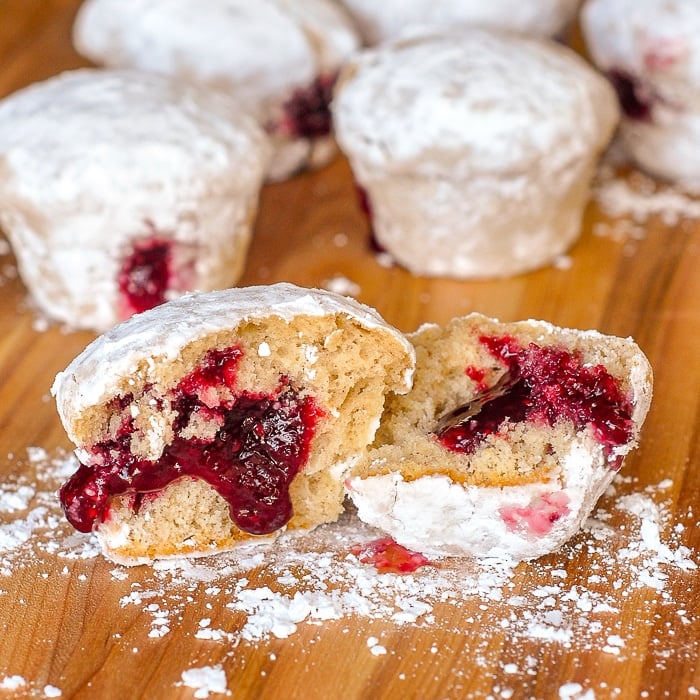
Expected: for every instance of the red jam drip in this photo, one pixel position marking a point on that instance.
(633, 100)
(307, 112)
(261, 444)
(550, 384)
(145, 275)
(387, 556)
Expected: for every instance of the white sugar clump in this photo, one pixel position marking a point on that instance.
(11, 501)
(206, 680)
(12, 682)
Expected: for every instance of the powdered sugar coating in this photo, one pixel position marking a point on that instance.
(477, 103)
(258, 52)
(162, 332)
(439, 517)
(92, 160)
(478, 147)
(386, 20)
(655, 44)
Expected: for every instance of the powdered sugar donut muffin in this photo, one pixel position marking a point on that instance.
(475, 150)
(650, 50)
(120, 190)
(511, 433)
(382, 21)
(278, 58)
(222, 418)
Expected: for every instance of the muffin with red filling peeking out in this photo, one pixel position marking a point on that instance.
(121, 190)
(510, 434)
(224, 418)
(650, 51)
(277, 58)
(474, 150)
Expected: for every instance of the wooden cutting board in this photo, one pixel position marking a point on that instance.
(616, 614)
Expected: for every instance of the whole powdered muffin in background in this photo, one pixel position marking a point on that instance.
(120, 190)
(278, 58)
(650, 50)
(475, 149)
(381, 21)
(223, 418)
(510, 434)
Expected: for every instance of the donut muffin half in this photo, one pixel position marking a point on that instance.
(225, 417)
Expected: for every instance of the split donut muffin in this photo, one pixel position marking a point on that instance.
(511, 433)
(222, 418)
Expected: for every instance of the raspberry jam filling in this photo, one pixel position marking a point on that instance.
(546, 385)
(261, 443)
(539, 516)
(307, 113)
(387, 556)
(635, 101)
(365, 204)
(145, 276)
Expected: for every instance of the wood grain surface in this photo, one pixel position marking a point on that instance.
(600, 619)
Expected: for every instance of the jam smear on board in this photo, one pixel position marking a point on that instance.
(387, 556)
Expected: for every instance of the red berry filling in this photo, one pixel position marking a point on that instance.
(364, 201)
(307, 112)
(145, 276)
(478, 376)
(635, 100)
(387, 556)
(261, 443)
(538, 517)
(547, 385)
(665, 53)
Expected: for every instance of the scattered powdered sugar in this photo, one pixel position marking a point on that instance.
(340, 240)
(632, 199)
(8, 270)
(629, 551)
(206, 680)
(12, 682)
(575, 691)
(385, 259)
(375, 648)
(17, 682)
(40, 324)
(563, 262)
(649, 552)
(18, 499)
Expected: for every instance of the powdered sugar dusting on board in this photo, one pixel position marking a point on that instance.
(8, 268)
(631, 200)
(628, 568)
(206, 680)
